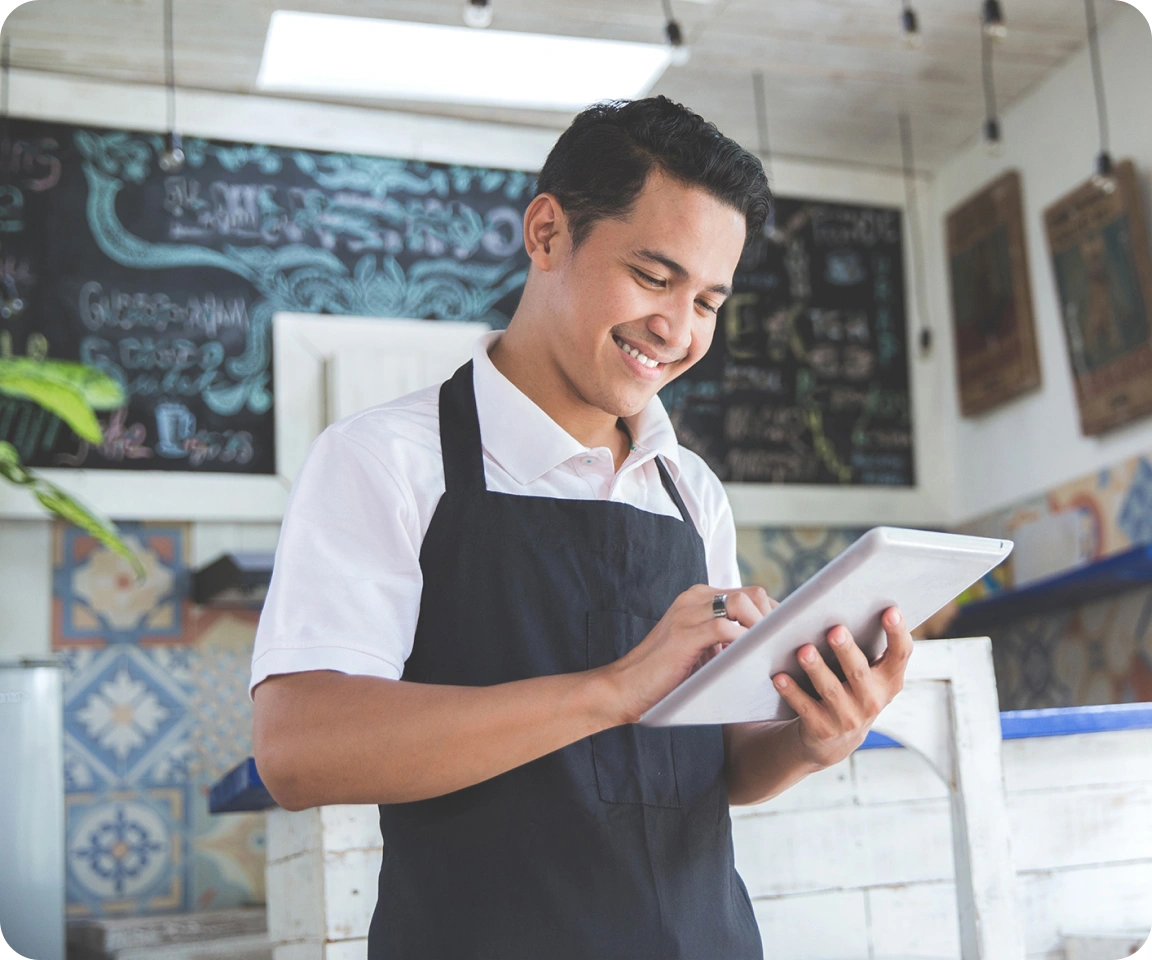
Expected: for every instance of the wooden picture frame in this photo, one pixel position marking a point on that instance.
(993, 323)
(1100, 255)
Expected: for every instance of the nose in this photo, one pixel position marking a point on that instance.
(673, 324)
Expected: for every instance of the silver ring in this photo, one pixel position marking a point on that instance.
(720, 605)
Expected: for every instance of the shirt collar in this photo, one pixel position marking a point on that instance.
(528, 443)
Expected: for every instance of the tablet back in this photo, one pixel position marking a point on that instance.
(916, 570)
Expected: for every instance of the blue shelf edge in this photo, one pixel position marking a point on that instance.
(1054, 722)
(241, 788)
(1093, 581)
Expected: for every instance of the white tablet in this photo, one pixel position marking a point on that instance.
(917, 570)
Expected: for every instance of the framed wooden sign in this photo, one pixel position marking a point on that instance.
(1100, 253)
(992, 321)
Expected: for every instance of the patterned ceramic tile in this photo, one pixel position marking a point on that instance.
(1098, 653)
(781, 558)
(127, 852)
(1136, 512)
(228, 856)
(126, 719)
(97, 599)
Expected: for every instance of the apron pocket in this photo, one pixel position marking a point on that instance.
(633, 764)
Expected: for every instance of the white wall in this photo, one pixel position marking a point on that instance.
(311, 125)
(1034, 442)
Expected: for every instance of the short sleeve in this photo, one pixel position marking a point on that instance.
(346, 580)
(720, 547)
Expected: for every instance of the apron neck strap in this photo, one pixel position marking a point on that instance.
(460, 433)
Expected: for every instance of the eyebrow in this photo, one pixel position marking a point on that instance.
(676, 269)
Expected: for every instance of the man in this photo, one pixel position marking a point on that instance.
(480, 587)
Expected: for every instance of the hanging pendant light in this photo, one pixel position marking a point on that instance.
(172, 158)
(910, 25)
(674, 36)
(1104, 178)
(760, 98)
(992, 17)
(992, 137)
(912, 208)
(478, 13)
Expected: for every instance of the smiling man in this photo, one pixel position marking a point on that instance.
(480, 587)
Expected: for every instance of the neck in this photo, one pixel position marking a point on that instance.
(532, 370)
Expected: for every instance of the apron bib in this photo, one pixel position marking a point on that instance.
(616, 847)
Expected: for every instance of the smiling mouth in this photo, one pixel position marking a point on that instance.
(637, 354)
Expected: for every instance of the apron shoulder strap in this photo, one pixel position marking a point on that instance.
(460, 433)
(666, 478)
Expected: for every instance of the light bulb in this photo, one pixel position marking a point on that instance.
(993, 19)
(1104, 178)
(911, 26)
(172, 159)
(992, 137)
(478, 13)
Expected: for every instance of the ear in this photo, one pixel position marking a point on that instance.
(546, 236)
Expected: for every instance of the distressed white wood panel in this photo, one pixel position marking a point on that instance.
(821, 926)
(350, 886)
(347, 950)
(1081, 827)
(895, 776)
(311, 950)
(1106, 899)
(294, 889)
(844, 848)
(351, 826)
(290, 833)
(1085, 759)
(915, 919)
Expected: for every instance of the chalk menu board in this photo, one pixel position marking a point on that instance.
(169, 281)
(807, 377)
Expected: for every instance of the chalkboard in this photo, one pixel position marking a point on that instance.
(169, 281)
(807, 377)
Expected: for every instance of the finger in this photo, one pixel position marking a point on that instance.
(832, 691)
(811, 712)
(759, 596)
(743, 609)
(892, 664)
(857, 670)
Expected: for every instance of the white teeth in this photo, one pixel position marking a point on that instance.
(636, 354)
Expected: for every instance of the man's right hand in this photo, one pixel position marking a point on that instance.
(687, 635)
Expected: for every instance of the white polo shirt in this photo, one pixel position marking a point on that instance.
(346, 582)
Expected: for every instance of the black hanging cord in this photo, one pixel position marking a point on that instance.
(1097, 74)
(169, 66)
(761, 100)
(912, 205)
(991, 118)
(6, 72)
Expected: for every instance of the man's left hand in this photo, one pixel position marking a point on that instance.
(836, 724)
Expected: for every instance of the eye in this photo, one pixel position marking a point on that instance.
(711, 308)
(647, 278)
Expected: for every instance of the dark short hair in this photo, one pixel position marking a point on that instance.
(600, 164)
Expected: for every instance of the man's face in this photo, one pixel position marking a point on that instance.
(651, 284)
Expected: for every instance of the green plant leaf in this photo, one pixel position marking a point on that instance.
(55, 500)
(66, 507)
(99, 390)
(63, 400)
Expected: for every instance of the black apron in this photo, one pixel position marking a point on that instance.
(616, 847)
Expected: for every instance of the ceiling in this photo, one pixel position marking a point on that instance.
(836, 72)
